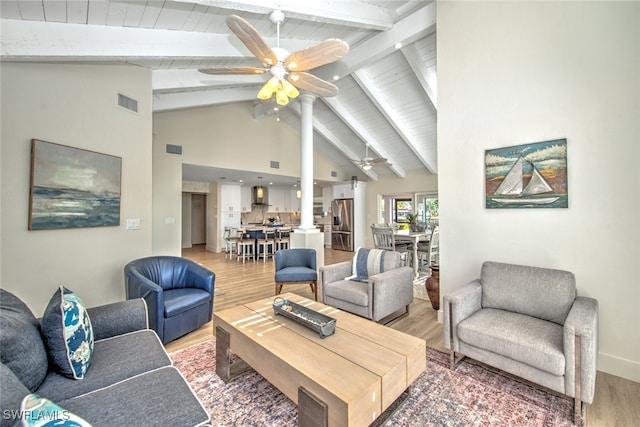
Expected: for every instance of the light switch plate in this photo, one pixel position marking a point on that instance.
(133, 223)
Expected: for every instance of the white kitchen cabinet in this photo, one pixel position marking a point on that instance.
(294, 202)
(277, 200)
(245, 199)
(343, 191)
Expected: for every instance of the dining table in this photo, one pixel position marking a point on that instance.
(414, 237)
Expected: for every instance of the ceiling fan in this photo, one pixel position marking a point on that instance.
(287, 70)
(368, 162)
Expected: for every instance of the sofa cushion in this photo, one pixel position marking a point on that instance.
(539, 292)
(179, 300)
(114, 359)
(526, 339)
(11, 395)
(157, 398)
(40, 412)
(23, 350)
(351, 291)
(68, 334)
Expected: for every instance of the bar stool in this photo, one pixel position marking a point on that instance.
(246, 248)
(231, 240)
(282, 238)
(266, 244)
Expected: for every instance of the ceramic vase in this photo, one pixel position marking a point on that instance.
(433, 286)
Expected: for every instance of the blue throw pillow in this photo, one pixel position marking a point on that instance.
(68, 334)
(37, 411)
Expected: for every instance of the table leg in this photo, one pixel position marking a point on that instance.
(225, 369)
(312, 412)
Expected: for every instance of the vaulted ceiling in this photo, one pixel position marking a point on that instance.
(387, 95)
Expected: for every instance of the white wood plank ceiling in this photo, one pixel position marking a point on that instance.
(387, 92)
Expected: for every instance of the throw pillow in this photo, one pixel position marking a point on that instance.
(39, 412)
(21, 347)
(367, 262)
(68, 334)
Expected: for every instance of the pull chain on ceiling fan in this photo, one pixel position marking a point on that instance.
(287, 70)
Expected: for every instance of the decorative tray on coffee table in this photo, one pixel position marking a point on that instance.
(313, 320)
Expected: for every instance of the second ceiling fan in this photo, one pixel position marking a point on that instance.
(368, 162)
(288, 71)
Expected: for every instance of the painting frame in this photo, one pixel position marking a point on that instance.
(532, 175)
(73, 187)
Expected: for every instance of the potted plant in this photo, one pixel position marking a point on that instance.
(413, 221)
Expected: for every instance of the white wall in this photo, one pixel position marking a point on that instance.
(73, 105)
(519, 72)
(224, 136)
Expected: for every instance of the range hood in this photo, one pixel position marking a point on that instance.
(260, 196)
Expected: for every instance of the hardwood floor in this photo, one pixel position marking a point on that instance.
(616, 403)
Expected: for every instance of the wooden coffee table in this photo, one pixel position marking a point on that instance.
(346, 379)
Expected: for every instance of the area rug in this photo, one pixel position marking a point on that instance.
(471, 395)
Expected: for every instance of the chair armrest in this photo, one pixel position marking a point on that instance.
(582, 322)
(391, 291)
(458, 305)
(335, 272)
(200, 277)
(139, 286)
(118, 318)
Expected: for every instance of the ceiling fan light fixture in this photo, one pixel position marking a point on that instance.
(366, 167)
(265, 93)
(281, 97)
(290, 89)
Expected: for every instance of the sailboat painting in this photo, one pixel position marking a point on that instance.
(527, 176)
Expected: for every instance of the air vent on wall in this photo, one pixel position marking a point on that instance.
(128, 103)
(275, 165)
(334, 174)
(174, 149)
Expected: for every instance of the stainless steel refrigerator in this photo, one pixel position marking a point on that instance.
(342, 224)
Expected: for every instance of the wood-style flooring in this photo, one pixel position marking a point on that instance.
(616, 403)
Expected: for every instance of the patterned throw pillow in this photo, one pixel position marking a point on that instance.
(40, 412)
(68, 334)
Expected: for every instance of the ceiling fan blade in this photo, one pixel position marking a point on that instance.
(252, 39)
(313, 84)
(233, 70)
(379, 161)
(323, 53)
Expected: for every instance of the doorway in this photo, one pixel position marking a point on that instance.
(198, 219)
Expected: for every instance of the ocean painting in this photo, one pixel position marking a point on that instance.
(73, 188)
(527, 176)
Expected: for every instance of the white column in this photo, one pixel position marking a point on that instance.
(306, 161)
(307, 235)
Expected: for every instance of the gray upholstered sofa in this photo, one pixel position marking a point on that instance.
(527, 321)
(380, 288)
(130, 380)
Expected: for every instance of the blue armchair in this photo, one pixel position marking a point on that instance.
(296, 265)
(178, 293)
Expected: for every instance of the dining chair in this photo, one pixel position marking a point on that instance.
(429, 252)
(246, 247)
(384, 238)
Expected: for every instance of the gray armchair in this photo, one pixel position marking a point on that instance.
(527, 321)
(376, 288)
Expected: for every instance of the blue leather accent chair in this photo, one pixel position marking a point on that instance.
(178, 292)
(296, 265)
